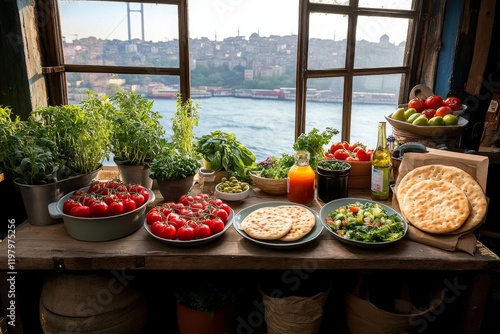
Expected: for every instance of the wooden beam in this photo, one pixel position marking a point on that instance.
(484, 30)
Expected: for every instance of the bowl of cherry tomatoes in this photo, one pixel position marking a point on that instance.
(193, 220)
(103, 211)
(359, 157)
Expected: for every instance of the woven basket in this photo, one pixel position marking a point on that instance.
(270, 186)
(450, 140)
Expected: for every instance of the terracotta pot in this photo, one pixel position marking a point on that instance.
(138, 174)
(171, 190)
(191, 321)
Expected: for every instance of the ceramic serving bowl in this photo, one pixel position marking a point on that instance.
(230, 196)
(100, 228)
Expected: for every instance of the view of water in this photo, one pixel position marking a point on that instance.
(266, 127)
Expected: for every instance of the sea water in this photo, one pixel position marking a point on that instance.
(266, 127)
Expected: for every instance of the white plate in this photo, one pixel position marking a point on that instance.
(313, 234)
(335, 204)
(195, 242)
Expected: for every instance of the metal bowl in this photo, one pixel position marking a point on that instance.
(100, 228)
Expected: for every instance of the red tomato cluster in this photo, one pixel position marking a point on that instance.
(193, 217)
(435, 105)
(105, 199)
(347, 152)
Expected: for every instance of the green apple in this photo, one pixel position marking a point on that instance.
(421, 121)
(413, 117)
(409, 112)
(450, 119)
(399, 115)
(436, 121)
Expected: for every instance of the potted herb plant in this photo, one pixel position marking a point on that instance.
(137, 137)
(205, 306)
(56, 150)
(174, 168)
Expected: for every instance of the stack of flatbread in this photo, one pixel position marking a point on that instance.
(283, 223)
(441, 199)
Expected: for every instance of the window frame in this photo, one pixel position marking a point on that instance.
(55, 69)
(349, 71)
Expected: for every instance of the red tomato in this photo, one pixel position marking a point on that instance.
(341, 154)
(145, 193)
(217, 225)
(329, 155)
(433, 102)
(69, 204)
(361, 154)
(222, 214)
(350, 158)
(98, 209)
(129, 205)
(429, 113)
(185, 232)
(166, 231)
(138, 199)
(417, 104)
(115, 208)
(202, 231)
(453, 102)
(113, 184)
(80, 211)
(346, 145)
(108, 199)
(155, 214)
(335, 147)
(443, 111)
(225, 207)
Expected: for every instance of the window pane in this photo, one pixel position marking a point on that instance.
(110, 83)
(324, 104)
(387, 4)
(380, 41)
(373, 98)
(327, 41)
(119, 33)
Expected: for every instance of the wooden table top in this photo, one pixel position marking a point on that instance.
(51, 247)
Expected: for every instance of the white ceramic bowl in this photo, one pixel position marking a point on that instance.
(231, 196)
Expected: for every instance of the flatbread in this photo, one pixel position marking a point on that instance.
(435, 206)
(303, 222)
(284, 222)
(267, 223)
(478, 204)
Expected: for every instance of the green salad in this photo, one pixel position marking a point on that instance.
(368, 222)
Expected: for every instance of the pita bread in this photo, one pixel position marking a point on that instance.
(303, 222)
(478, 204)
(435, 206)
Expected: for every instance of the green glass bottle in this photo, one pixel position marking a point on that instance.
(381, 166)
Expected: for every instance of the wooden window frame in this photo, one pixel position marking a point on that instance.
(55, 69)
(409, 71)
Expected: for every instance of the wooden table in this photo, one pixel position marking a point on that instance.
(48, 248)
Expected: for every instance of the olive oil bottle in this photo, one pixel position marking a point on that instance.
(381, 166)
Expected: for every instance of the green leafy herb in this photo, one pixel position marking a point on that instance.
(185, 119)
(274, 167)
(173, 165)
(223, 151)
(314, 142)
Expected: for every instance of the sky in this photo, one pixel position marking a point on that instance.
(212, 19)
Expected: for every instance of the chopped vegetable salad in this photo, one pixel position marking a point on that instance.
(368, 222)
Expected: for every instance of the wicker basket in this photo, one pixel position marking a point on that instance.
(451, 141)
(270, 186)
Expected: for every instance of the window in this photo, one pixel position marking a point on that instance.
(344, 63)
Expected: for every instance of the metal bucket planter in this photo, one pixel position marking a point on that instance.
(36, 198)
(138, 174)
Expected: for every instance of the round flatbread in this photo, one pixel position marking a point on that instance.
(303, 222)
(267, 223)
(478, 204)
(435, 206)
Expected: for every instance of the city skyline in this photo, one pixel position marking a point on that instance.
(215, 19)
